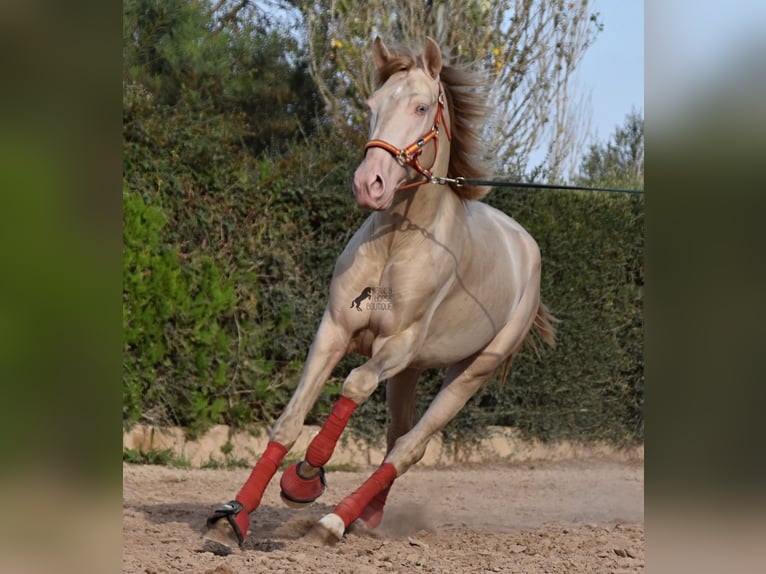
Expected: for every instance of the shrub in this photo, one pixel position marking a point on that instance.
(270, 270)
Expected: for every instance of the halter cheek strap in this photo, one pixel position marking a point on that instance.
(409, 156)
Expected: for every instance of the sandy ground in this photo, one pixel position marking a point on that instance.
(552, 517)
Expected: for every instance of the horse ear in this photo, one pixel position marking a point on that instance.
(380, 53)
(432, 58)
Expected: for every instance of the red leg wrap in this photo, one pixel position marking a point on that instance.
(251, 493)
(373, 512)
(298, 489)
(320, 449)
(351, 507)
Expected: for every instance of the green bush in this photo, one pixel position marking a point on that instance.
(289, 224)
(591, 385)
(176, 325)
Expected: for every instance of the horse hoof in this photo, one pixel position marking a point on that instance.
(292, 503)
(230, 532)
(328, 531)
(222, 534)
(299, 492)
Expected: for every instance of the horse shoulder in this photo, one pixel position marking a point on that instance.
(488, 224)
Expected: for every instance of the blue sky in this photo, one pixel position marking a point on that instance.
(610, 75)
(694, 46)
(612, 70)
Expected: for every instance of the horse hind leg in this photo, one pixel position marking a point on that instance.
(462, 381)
(400, 399)
(406, 451)
(331, 527)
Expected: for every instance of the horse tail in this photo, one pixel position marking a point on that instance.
(544, 325)
(543, 328)
(506, 370)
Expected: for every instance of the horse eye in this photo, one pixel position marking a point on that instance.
(421, 109)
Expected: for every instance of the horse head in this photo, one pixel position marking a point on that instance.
(405, 116)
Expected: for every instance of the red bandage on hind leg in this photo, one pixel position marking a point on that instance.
(251, 493)
(320, 449)
(351, 507)
(373, 512)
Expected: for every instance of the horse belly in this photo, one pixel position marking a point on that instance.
(470, 316)
(486, 290)
(453, 336)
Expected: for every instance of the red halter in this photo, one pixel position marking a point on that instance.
(408, 156)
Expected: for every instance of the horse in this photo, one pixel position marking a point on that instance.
(462, 280)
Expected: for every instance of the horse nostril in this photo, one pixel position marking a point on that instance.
(377, 185)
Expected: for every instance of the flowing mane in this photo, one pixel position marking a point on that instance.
(466, 99)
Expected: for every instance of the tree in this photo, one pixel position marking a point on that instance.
(227, 60)
(618, 162)
(528, 49)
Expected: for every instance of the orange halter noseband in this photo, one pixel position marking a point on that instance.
(408, 156)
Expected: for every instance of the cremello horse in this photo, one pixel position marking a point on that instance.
(462, 285)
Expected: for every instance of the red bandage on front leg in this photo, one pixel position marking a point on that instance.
(351, 507)
(251, 493)
(321, 448)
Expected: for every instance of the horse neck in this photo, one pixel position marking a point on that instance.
(424, 205)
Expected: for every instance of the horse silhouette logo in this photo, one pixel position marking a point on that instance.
(365, 294)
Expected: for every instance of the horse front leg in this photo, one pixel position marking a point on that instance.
(303, 482)
(390, 357)
(460, 385)
(229, 523)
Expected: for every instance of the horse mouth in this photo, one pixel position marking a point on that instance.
(382, 203)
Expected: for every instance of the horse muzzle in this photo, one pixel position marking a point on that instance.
(370, 189)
